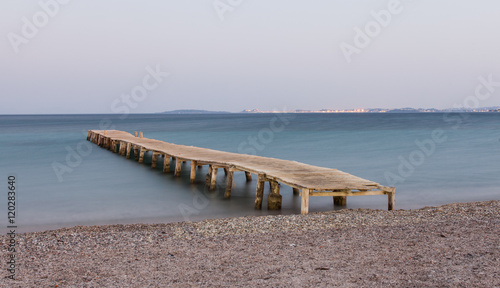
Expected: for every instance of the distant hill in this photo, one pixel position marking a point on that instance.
(190, 111)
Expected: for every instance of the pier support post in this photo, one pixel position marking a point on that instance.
(229, 184)
(166, 163)
(225, 171)
(106, 143)
(274, 198)
(141, 155)
(135, 133)
(213, 178)
(193, 172)
(154, 159)
(88, 135)
(141, 134)
(295, 191)
(178, 163)
(129, 147)
(304, 207)
(340, 200)
(259, 193)
(391, 197)
(136, 153)
(248, 175)
(122, 148)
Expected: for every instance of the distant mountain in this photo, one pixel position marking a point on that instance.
(190, 111)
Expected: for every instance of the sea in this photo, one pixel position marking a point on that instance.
(62, 180)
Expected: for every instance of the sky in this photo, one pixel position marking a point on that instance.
(117, 56)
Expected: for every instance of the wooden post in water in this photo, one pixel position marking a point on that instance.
(166, 163)
(213, 178)
(208, 177)
(304, 208)
(178, 163)
(122, 146)
(391, 199)
(136, 153)
(193, 172)
(340, 200)
(141, 134)
(229, 184)
(225, 171)
(154, 159)
(135, 133)
(259, 193)
(274, 198)
(141, 155)
(248, 175)
(89, 135)
(105, 132)
(295, 191)
(129, 148)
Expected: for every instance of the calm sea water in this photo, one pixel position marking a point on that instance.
(432, 159)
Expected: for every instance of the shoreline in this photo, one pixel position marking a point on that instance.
(449, 245)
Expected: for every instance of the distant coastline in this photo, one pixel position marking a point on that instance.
(382, 110)
(361, 110)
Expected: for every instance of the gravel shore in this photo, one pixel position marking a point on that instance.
(455, 245)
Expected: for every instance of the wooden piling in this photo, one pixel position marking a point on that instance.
(248, 175)
(178, 163)
(136, 153)
(229, 184)
(259, 193)
(192, 177)
(166, 163)
(141, 155)
(274, 198)
(129, 148)
(304, 207)
(89, 134)
(391, 198)
(213, 178)
(141, 134)
(340, 200)
(135, 133)
(225, 171)
(154, 159)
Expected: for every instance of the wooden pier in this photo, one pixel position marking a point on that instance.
(305, 179)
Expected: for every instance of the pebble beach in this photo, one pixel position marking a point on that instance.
(455, 245)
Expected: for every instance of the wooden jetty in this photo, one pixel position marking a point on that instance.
(307, 179)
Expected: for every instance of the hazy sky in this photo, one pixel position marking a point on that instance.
(278, 54)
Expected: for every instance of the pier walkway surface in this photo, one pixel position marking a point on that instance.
(305, 179)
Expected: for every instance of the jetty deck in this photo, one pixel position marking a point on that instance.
(305, 180)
